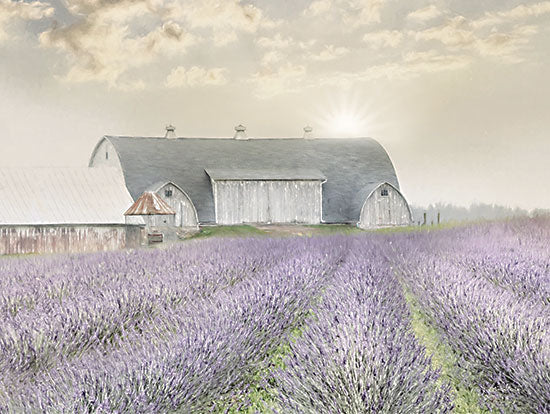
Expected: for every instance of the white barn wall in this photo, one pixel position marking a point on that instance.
(265, 201)
(385, 211)
(158, 220)
(105, 155)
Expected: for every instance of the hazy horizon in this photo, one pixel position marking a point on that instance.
(457, 92)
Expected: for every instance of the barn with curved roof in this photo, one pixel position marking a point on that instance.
(283, 180)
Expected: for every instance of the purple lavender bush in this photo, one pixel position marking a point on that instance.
(485, 289)
(152, 331)
(193, 328)
(357, 353)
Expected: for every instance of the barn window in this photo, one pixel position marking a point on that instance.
(384, 192)
(106, 155)
(168, 193)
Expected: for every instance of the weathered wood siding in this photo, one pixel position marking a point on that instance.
(66, 239)
(267, 202)
(186, 215)
(385, 210)
(151, 220)
(159, 221)
(105, 155)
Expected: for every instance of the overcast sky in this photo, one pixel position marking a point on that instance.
(457, 91)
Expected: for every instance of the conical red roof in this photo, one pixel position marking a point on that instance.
(149, 204)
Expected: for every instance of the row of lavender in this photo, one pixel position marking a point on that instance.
(188, 329)
(59, 308)
(358, 354)
(486, 288)
(150, 331)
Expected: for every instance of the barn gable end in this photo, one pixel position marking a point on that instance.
(385, 206)
(172, 194)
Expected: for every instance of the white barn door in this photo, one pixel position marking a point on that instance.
(267, 201)
(383, 211)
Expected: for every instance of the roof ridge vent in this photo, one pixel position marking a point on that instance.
(240, 132)
(170, 131)
(308, 132)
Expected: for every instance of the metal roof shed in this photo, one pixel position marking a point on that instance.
(152, 209)
(55, 210)
(46, 196)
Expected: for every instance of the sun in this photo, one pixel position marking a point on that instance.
(347, 123)
(347, 115)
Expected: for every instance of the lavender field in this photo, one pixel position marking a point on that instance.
(442, 321)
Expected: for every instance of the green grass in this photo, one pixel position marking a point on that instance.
(325, 229)
(22, 255)
(229, 231)
(272, 231)
(427, 228)
(465, 398)
(397, 229)
(261, 396)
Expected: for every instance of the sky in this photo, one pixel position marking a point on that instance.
(458, 92)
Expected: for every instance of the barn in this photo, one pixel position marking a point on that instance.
(58, 210)
(238, 180)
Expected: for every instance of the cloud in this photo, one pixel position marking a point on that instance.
(411, 65)
(271, 81)
(222, 38)
(459, 34)
(425, 14)
(33, 10)
(454, 32)
(330, 52)
(352, 13)
(273, 56)
(11, 11)
(384, 38)
(520, 12)
(227, 15)
(195, 76)
(119, 42)
(114, 38)
(506, 45)
(415, 64)
(362, 12)
(128, 85)
(318, 7)
(110, 39)
(291, 78)
(275, 42)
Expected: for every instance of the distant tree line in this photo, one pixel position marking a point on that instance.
(479, 211)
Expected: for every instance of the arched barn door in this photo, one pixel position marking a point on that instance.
(385, 207)
(175, 197)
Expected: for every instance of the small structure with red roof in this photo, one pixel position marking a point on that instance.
(151, 210)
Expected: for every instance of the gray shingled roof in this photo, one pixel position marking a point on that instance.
(353, 167)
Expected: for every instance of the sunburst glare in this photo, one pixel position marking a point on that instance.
(348, 115)
(345, 122)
